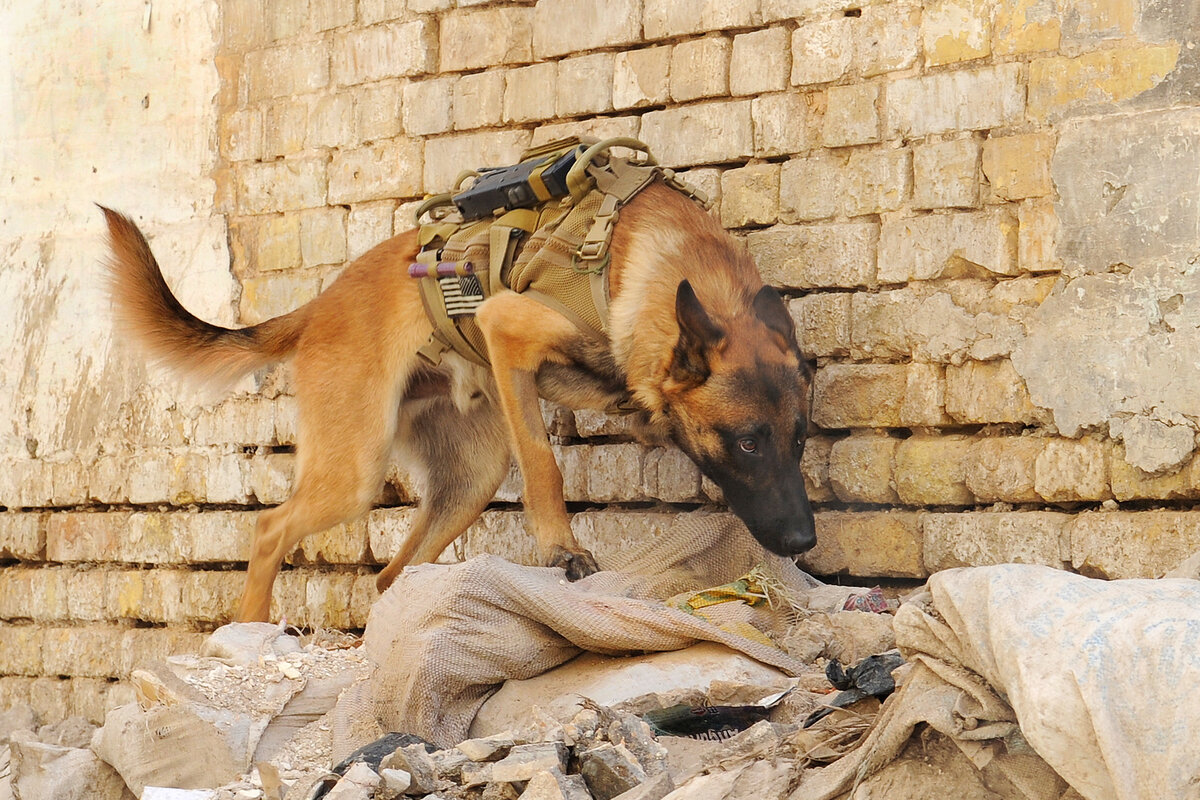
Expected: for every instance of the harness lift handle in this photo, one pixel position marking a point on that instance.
(577, 181)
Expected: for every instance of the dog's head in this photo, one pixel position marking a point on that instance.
(737, 402)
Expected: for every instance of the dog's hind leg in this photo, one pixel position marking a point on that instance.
(460, 458)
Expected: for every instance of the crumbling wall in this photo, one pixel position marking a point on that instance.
(984, 215)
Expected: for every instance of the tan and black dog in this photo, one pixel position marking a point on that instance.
(697, 342)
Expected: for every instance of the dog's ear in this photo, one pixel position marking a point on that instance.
(698, 334)
(771, 311)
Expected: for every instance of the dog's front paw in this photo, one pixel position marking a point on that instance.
(577, 563)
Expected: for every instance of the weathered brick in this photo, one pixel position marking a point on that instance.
(880, 324)
(884, 544)
(948, 245)
(1070, 470)
(986, 538)
(87, 595)
(1003, 469)
(931, 471)
(529, 92)
(147, 595)
(286, 127)
(822, 51)
(372, 11)
(782, 124)
(859, 395)
(814, 466)
(759, 62)
(953, 31)
(287, 185)
(212, 597)
(1024, 26)
(599, 128)
(571, 26)
(322, 236)
(390, 50)
(346, 543)
(823, 324)
(1130, 483)
(286, 70)
(331, 121)
(377, 111)
(780, 10)
(982, 392)
(811, 188)
(1139, 544)
(21, 649)
(1061, 85)
(585, 85)
(989, 97)
(1037, 239)
(241, 420)
(427, 106)
(383, 171)
(876, 181)
(367, 225)
(447, 156)
(38, 593)
(327, 602)
(265, 297)
(669, 475)
(704, 133)
(240, 134)
(641, 77)
(887, 37)
(142, 647)
(270, 242)
(1091, 21)
(700, 68)
(750, 195)
(817, 256)
(924, 397)
(1019, 166)
(93, 651)
(946, 174)
(851, 117)
(487, 37)
(22, 536)
(664, 18)
(478, 100)
(285, 18)
(860, 469)
(50, 698)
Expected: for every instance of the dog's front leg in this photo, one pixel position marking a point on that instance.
(521, 335)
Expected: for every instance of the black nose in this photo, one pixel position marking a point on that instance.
(799, 541)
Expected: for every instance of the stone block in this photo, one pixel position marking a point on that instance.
(1130, 483)
(478, 100)
(823, 323)
(1094, 21)
(1017, 167)
(36, 593)
(346, 543)
(85, 536)
(946, 174)
(924, 403)
(378, 52)
(599, 127)
(954, 31)
(322, 236)
(823, 255)
(700, 68)
(859, 395)
(367, 225)
(141, 647)
(876, 181)
(372, 11)
(860, 469)
(50, 698)
(377, 111)
(887, 37)
(669, 475)
(610, 769)
(782, 124)
(325, 602)
(212, 598)
(387, 170)
(286, 127)
(1024, 26)
(811, 187)
(147, 595)
(21, 650)
(989, 97)
(585, 85)
(1037, 237)
(641, 77)
(667, 18)
(966, 244)
(93, 651)
(1132, 544)
(984, 392)
(87, 595)
(240, 134)
(1004, 469)
(814, 466)
(288, 185)
(286, 70)
(984, 538)
(23, 535)
(884, 544)
(852, 116)
(555, 785)
(446, 156)
(1061, 86)
(427, 106)
(822, 51)
(759, 62)
(262, 298)
(486, 37)
(1070, 470)
(529, 92)
(331, 121)
(526, 760)
(880, 322)
(750, 195)
(931, 471)
(270, 242)
(704, 133)
(572, 26)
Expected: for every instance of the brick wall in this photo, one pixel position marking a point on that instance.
(983, 215)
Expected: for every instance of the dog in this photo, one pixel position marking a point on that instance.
(698, 345)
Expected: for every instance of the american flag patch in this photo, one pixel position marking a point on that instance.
(462, 295)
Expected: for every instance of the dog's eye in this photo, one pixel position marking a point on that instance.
(748, 444)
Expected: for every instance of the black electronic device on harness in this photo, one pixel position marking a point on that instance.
(522, 185)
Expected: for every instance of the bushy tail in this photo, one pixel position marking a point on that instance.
(147, 311)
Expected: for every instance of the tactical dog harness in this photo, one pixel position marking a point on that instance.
(554, 249)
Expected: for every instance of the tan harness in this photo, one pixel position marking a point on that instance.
(556, 252)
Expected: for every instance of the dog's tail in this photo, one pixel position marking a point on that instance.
(147, 311)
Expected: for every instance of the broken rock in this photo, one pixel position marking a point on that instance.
(526, 760)
(609, 770)
(49, 772)
(554, 785)
(358, 783)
